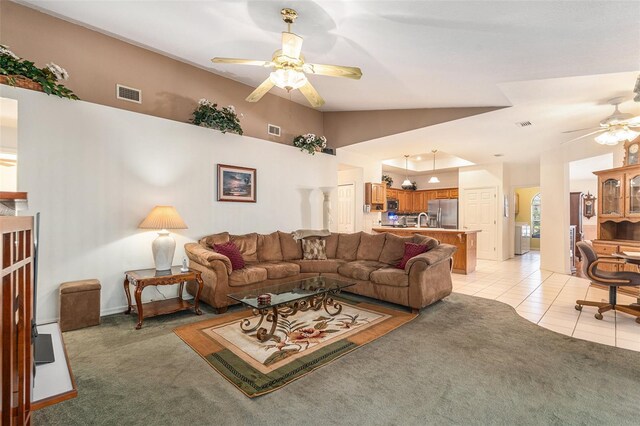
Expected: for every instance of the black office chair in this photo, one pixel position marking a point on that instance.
(612, 280)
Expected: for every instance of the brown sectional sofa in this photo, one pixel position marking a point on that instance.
(366, 259)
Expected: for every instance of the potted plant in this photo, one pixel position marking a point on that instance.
(224, 119)
(414, 185)
(310, 143)
(15, 71)
(388, 180)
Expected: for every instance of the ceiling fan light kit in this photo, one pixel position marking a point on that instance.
(616, 135)
(615, 128)
(290, 67)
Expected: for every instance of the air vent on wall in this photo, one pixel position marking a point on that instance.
(128, 94)
(273, 130)
(523, 123)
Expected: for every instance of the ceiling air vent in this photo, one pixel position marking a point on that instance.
(128, 94)
(273, 130)
(523, 123)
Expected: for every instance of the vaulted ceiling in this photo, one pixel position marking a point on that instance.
(414, 54)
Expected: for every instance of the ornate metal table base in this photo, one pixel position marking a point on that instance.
(271, 314)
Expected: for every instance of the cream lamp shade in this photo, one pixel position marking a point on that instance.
(163, 247)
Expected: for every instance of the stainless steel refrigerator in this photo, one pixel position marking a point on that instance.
(443, 214)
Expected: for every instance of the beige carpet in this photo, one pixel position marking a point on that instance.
(301, 343)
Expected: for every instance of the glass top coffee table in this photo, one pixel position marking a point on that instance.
(287, 299)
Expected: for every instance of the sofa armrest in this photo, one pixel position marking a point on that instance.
(440, 253)
(206, 257)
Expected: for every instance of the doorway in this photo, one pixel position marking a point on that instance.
(528, 219)
(346, 208)
(480, 207)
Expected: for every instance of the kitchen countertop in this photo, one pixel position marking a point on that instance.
(423, 229)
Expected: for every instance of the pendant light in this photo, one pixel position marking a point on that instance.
(407, 183)
(434, 179)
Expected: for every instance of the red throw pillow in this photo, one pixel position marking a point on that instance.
(230, 250)
(411, 250)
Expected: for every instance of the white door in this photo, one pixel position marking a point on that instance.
(480, 213)
(346, 208)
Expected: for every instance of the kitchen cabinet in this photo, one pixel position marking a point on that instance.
(419, 201)
(442, 194)
(403, 202)
(392, 194)
(453, 193)
(431, 195)
(375, 196)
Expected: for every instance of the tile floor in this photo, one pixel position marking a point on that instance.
(548, 299)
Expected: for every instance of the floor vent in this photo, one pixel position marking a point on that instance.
(128, 94)
(273, 130)
(523, 123)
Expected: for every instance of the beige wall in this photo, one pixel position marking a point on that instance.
(170, 88)
(349, 127)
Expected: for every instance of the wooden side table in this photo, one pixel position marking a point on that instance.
(142, 278)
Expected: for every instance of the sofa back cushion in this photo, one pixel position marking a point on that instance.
(332, 245)
(393, 249)
(210, 240)
(248, 246)
(269, 247)
(291, 249)
(348, 246)
(370, 246)
(430, 242)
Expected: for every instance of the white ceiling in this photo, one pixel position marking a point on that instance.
(552, 106)
(414, 54)
(422, 164)
(583, 169)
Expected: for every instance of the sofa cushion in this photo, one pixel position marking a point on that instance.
(332, 245)
(320, 266)
(314, 249)
(393, 249)
(291, 249)
(250, 274)
(248, 246)
(427, 241)
(360, 269)
(348, 246)
(390, 276)
(269, 247)
(277, 270)
(230, 250)
(210, 240)
(411, 250)
(370, 246)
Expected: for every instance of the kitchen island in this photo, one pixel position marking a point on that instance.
(464, 259)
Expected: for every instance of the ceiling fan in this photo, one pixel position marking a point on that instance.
(290, 68)
(615, 128)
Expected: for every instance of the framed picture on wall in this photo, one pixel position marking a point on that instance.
(236, 183)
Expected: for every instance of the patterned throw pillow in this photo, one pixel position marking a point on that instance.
(230, 250)
(411, 250)
(314, 249)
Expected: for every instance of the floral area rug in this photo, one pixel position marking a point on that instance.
(300, 344)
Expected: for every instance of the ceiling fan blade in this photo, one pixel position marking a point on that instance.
(333, 70)
(580, 130)
(260, 91)
(634, 122)
(312, 95)
(584, 136)
(265, 64)
(291, 45)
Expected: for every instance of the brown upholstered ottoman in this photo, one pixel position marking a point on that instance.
(79, 304)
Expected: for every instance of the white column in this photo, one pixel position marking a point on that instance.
(554, 200)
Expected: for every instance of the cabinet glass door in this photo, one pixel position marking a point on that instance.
(611, 197)
(634, 195)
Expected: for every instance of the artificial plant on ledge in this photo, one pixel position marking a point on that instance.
(224, 119)
(16, 71)
(310, 143)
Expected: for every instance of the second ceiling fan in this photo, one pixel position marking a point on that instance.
(289, 67)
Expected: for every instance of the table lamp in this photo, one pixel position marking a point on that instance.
(164, 247)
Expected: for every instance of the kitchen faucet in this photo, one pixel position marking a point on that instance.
(426, 219)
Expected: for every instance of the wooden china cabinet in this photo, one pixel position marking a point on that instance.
(619, 216)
